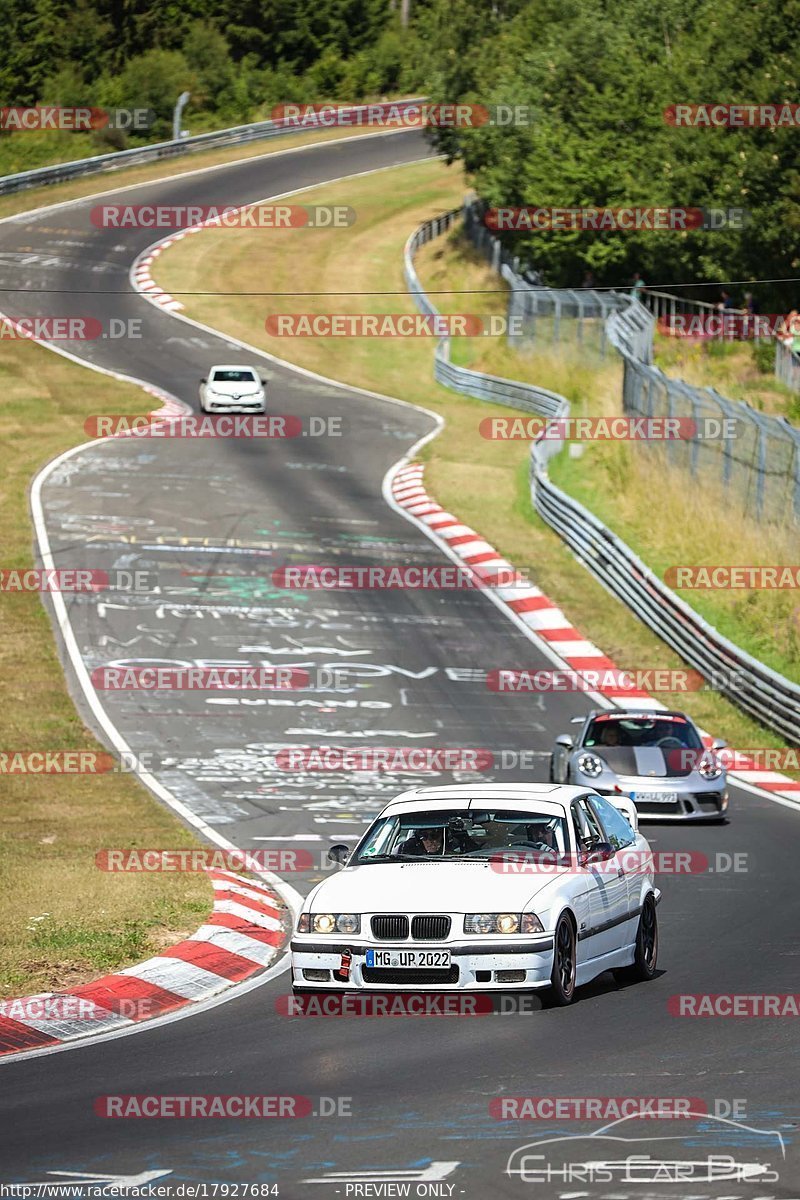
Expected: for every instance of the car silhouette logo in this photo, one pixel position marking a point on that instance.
(615, 1163)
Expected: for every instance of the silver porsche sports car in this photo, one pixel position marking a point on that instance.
(657, 758)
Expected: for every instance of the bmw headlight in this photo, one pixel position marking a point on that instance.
(591, 765)
(502, 923)
(708, 767)
(329, 923)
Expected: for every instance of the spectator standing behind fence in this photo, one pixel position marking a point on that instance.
(751, 312)
(793, 325)
(638, 286)
(789, 331)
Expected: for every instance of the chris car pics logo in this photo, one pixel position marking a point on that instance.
(625, 1152)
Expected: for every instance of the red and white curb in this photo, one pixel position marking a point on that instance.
(140, 271)
(536, 610)
(242, 936)
(146, 283)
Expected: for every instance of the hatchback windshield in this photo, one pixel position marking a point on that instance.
(234, 376)
(462, 833)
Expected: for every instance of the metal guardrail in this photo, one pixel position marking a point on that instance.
(461, 379)
(234, 136)
(759, 461)
(787, 365)
(761, 692)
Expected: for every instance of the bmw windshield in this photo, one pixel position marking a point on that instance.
(462, 833)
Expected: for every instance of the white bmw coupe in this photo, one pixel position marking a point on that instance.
(486, 887)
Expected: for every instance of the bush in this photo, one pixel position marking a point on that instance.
(764, 357)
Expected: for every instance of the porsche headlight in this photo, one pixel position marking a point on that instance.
(502, 923)
(708, 767)
(329, 923)
(591, 765)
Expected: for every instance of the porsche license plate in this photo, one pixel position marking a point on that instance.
(655, 797)
(408, 958)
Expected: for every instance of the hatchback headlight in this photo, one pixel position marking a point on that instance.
(591, 765)
(329, 923)
(502, 923)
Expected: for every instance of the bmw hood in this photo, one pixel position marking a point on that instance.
(464, 886)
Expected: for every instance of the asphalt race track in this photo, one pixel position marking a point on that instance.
(213, 519)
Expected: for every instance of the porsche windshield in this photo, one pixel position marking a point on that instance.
(462, 833)
(665, 732)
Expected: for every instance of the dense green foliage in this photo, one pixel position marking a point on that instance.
(237, 59)
(600, 76)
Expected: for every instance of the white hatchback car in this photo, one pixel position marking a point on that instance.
(233, 389)
(484, 887)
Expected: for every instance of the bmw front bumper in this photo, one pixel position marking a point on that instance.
(474, 967)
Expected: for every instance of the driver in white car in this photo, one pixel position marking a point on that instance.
(422, 842)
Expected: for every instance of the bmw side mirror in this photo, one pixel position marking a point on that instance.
(339, 854)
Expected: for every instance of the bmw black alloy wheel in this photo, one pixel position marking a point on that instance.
(564, 964)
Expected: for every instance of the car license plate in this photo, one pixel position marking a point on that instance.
(408, 958)
(654, 797)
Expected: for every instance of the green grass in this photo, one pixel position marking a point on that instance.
(735, 369)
